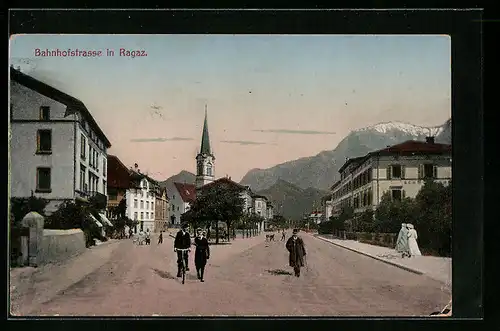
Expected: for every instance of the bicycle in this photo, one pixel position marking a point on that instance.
(183, 270)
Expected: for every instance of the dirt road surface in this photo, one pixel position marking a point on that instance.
(249, 277)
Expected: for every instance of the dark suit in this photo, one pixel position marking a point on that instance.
(182, 241)
(201, 255)
(297, 252)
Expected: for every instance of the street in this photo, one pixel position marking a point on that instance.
(248, 277)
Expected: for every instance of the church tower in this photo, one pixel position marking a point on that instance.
(205, 160)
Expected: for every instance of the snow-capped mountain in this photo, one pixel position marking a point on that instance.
(321, 171)
(412, 129)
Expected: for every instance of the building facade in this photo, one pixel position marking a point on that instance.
(141, 198)
(181, 195)
(118, 183)
(161, 210)
(400, 169)
(58, 151)
(260, 208)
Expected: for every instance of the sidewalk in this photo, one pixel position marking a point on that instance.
(438, 268)
(31, 287)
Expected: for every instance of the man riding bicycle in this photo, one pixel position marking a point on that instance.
(182, 241)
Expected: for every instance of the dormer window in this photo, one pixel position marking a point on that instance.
(44, 113)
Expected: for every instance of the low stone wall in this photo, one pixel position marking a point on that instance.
(59, 245)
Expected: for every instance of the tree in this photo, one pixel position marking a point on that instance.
(279, 221)
(434, 217)
(365, 222)
(391, 213)
(217, 203)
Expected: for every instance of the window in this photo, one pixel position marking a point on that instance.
(135, 215)
(135, 203)
(397, 194)
(91, 154)
(429, 171)
(173, 196)
(142, 215)
(395, 171)
(97, 161)
(147, 215)
(200, 168)
(43, 179)
(104, 187)
(44, 141)
(104, 167)
(142, 204)
(83, 172)
(152, 206)
(209, 169)
(45, 113)
(177, 208)
(147, 204)
(83, 146)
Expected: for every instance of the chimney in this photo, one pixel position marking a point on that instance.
(429, 140)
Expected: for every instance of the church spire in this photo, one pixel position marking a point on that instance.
(205, 140)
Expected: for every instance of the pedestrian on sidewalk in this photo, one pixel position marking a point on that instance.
(402, 241)
(283, 235)
(148, 237)
(202, 253)
(296, 248)
(412, 241)
(160, 238)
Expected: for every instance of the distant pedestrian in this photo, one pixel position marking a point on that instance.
(202, 253)
(283, 235)
(412, 241)
(402, 241)
(130, 233)
(296, 248)
(160, 238)
(148, 237)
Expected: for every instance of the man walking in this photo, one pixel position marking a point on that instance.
(295, 246)
(160, 238)
(283, 235)
(182, 241)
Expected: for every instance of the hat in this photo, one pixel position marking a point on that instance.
(295, 231)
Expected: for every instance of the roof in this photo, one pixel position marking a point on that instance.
(205, 139)
(139, 176)
(409, 147)
(186, 191)
(55, 94)
(258, 196)
(225, 180)
(118, 173)
(355, 160)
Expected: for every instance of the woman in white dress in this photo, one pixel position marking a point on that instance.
(412, 241)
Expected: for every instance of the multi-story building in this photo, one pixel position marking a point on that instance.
(180, 195)
(400, 169)
(327, 207)
(141, 200)
(58, 151)
(260, 208)
(118, 183)
(161, 210)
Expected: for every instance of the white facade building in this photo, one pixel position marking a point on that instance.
(141, 201)
(400, 169)
(180, 196)
(58, 152)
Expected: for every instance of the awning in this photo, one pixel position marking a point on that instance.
(105, 219)
(92, 218)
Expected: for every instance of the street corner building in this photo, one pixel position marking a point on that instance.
(399, 169)
(58, 152)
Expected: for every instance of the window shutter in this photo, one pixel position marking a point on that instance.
(434, 171)
(420, 171)
(38, 141)
(389, 174)
(403, 172)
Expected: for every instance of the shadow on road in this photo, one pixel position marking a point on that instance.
(279, 272)
(163, 274)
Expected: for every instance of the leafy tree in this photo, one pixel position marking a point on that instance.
(366, 222)
(216, 203)
(434, 217)
(391, 213)
(280, 221)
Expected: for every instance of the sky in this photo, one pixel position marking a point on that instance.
(270, 98)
